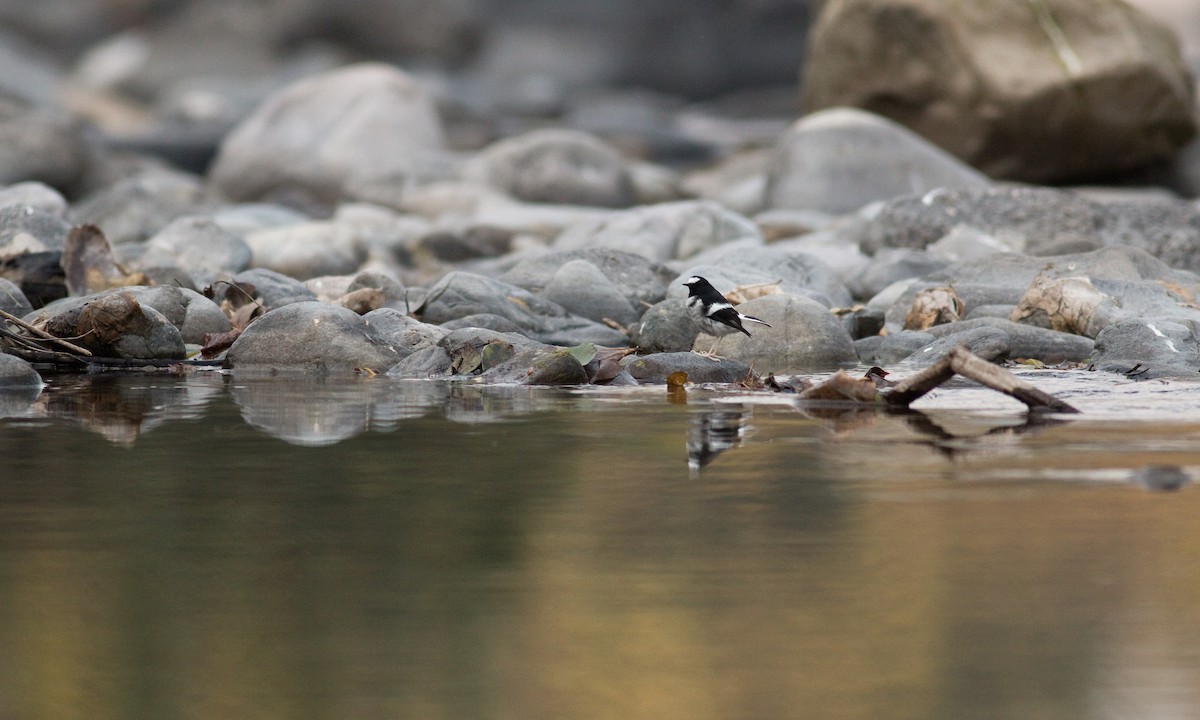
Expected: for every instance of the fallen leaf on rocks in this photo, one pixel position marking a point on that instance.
(933, 306)
(465, 359)
(495, 352)
(843, 387)
(677, 379)
(363, 300)
(1063, 304)
(99, 324)
(607, 364)
(744, 293)
(583, 352)
(217, 343)
(238, 301)
(88, 263)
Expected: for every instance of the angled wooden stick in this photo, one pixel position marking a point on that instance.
(961, 361)
(44, 335)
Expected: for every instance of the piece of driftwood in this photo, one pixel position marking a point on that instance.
(43, 334)
(960, 361)
(64, 360)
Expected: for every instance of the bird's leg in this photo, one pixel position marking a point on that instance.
(711, 354)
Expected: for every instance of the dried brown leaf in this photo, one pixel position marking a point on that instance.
(217, 343)
(842, 387)
(933, 306)
(89, 265)
(363, 300)
(608, 362)
(743, 293)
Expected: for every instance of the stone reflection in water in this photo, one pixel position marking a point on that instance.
(318, 411)
(323, 411)
(123, 407)
(16, 402)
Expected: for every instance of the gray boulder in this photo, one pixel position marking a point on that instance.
(199, 246)
(311, 337)
(556, 166)
(1089, 88)
(657, 367)
(16, 374)
(308, 250)
(405, 334)
(25, 229)
(891, 265)
(896, 347)
(665, 328)
(36, 195)
(581, 288)
(192, 314)
(841, 159)
(1038, 221)
(427, 363)
(1025, 341)
(796, 273)
(988, 343)
(135, 208)
(245, 218)
(324, 135)
(662, 232)
(804, 336)
(113, 324)
(1147, 350)
(555, 366)
(1137, 284)
(461, 294)
(275, 289)
(641, 281)
(41, 144)
(12, 300)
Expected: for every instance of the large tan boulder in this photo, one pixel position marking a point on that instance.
(1035, 90)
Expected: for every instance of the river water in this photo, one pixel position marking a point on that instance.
(202, 546)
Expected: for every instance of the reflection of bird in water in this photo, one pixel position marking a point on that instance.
(713, 432)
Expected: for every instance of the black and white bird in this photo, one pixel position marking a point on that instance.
(713, 313)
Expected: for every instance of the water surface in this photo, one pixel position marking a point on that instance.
(209, 547)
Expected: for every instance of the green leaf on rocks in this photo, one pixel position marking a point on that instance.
(465, 360)
(496, 352)
(583, 352)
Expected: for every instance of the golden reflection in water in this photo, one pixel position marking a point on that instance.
(565, 564)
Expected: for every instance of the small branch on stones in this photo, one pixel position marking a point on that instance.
(961, 361)
(45, 336)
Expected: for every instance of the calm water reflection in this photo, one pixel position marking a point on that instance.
(216, 548)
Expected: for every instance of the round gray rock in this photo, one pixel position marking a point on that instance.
(556, 166)
(582, 289)
(199, 246)
(840, 159)
(667, 231)
(12, 300)
(16, 374)
(311, 337)
(1147, 350)
(361, 124)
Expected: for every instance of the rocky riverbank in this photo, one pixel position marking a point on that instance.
(348, 222)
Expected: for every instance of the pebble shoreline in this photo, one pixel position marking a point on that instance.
(373, 244)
